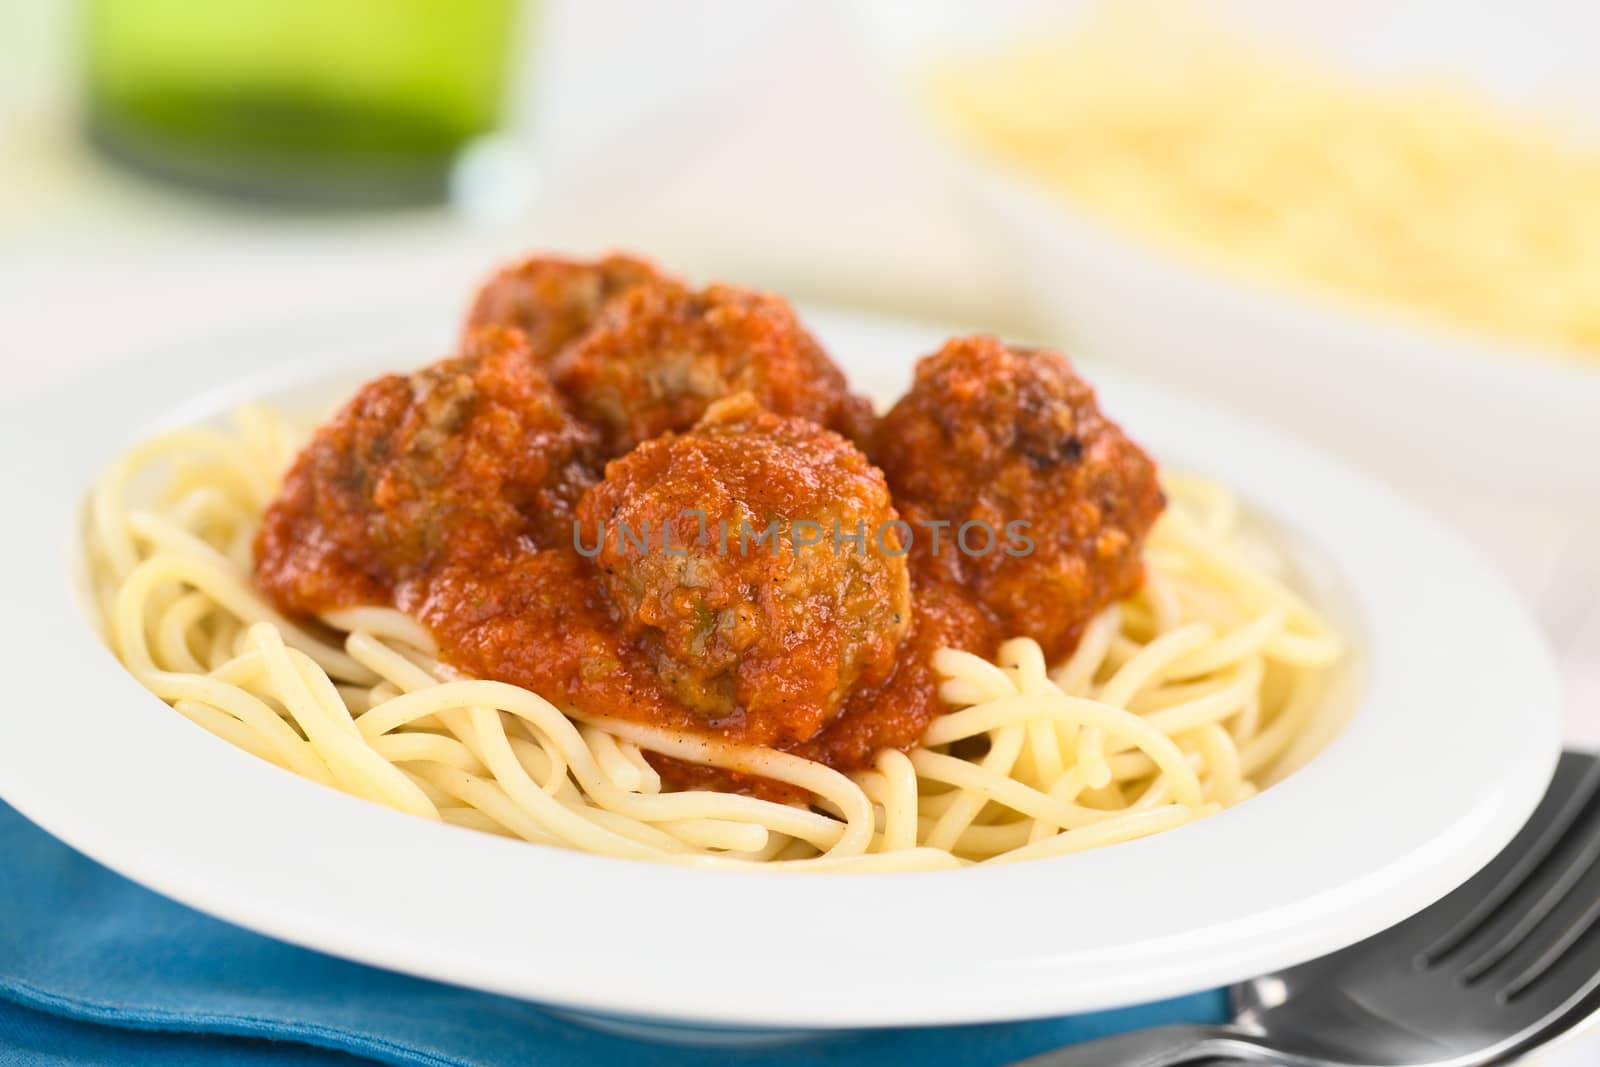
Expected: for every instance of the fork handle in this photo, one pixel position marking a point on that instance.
(1169, 1046)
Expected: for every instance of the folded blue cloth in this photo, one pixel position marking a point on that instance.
(97, 970)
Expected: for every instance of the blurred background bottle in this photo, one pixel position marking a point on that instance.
(360, 103)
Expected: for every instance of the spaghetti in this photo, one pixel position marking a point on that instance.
(1424, 197)
(1177, 702)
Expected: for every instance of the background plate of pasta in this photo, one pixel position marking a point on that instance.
(343, 629)
(1297, 214)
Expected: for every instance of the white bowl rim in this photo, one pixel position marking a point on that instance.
(1448, 754)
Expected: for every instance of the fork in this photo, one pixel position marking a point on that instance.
(1506, 963)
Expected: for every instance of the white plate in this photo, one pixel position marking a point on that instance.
(1453, 740)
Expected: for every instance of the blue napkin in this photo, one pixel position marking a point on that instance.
(97, 970)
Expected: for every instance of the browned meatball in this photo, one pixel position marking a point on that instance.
(997, 435)
(555, 301)
(758, 617)
(460, 459)
(660, 354)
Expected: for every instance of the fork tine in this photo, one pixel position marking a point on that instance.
(1570, 864)
(1567, 938)
(1527, 856)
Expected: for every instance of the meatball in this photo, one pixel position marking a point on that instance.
(731, 554)
(999, 435)
(660, 354)
(555, 301)
(464, 456)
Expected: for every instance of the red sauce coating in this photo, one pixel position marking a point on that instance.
(467, 459)
(1019, 438)
(660, 354)
(452, 494)
(555, 301)
(759, 624)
